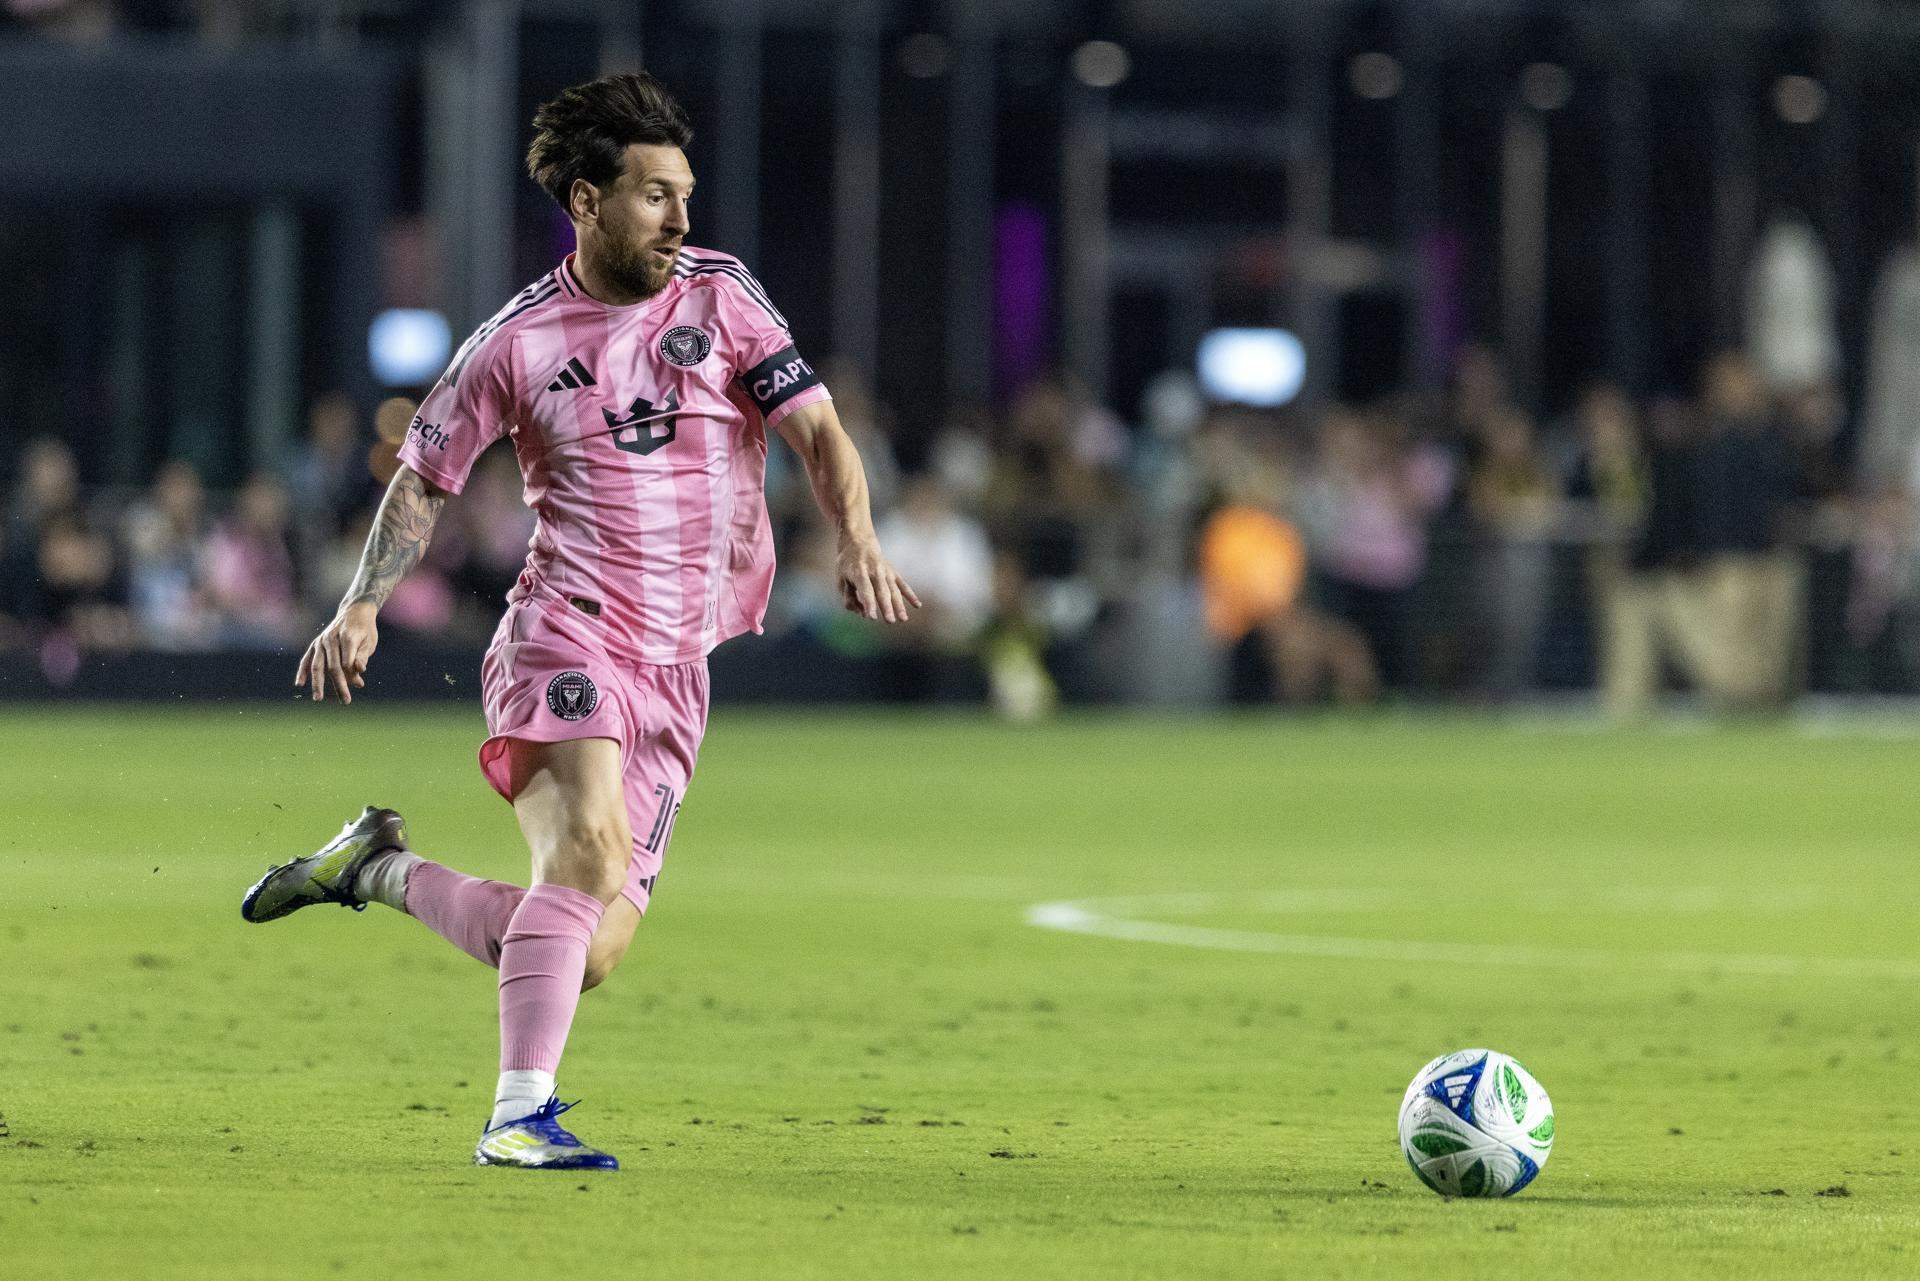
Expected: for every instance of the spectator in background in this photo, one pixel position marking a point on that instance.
(1061, 450)
(1513, 497)
(1663, 613)
(1814, 428)
(1253, 570)
(1166, 473)
(962, 457)
(1479, 392)
(1058, 498)
(497, 526)
(250, 569)
(1365, 509)
(952, 567)
(1723, 585)
(1826, 523)
(328, 478)
(1609, 487)
(49, 485)
(1750, 573)
(165, 533)
(1882, 586)
(81, 594)
(58, 574)
(1014, 648)
(945, 554)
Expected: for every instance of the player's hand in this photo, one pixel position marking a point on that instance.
(868, 585)
(339, 654)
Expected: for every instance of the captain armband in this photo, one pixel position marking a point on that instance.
(778, 379)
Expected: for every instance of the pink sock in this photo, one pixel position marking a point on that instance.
(466, 911)
(542, 961)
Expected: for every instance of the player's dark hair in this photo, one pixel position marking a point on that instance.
(586, 130)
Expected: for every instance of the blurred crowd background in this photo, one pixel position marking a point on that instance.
(1578, 344)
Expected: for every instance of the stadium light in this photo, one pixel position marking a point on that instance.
(1800, 100)
(1101, 64)
(408, 346)
(1261, 367)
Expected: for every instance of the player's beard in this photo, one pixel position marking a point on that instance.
(635, 269)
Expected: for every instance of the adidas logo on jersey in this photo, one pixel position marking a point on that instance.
(573, 375)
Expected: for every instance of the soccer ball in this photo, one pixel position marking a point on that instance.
(1475, 1123)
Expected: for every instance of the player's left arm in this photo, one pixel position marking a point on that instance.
(868, 584)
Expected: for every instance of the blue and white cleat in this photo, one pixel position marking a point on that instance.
(327, 876)
(537, 1142)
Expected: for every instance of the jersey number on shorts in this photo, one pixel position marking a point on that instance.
(663, 818)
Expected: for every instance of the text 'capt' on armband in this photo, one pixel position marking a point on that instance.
(778, 379)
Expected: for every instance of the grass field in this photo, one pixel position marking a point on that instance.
(840, 1049)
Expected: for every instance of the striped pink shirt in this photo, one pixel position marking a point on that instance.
(642, 437)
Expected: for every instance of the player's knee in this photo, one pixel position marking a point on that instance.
(592, 857)
(602, 878)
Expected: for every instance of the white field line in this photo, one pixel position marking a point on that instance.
(1113, 918)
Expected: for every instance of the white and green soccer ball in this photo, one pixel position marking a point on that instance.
(1476, 1123)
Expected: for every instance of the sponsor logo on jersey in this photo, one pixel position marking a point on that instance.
(650, 425)
(684, 345)
(571, 696)
(429, 433)
(572, 376)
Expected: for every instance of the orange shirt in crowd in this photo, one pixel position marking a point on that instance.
(1252, 567)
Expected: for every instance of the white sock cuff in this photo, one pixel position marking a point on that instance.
(384, 878)
(519, 1092)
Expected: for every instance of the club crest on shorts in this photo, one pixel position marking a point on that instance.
(571, 696)
(685, 345)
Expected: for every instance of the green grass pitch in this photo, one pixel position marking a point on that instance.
(839, 1048)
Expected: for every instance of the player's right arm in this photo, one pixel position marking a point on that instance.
(339, 654)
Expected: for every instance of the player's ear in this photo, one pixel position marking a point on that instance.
(583, 201)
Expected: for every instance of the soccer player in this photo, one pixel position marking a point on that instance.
(636, 380)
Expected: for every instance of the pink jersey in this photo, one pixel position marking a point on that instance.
(642, 438)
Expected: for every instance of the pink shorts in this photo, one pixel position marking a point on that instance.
(547, 678)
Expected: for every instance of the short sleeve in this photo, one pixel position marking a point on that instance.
(467, 410)
(769, 367)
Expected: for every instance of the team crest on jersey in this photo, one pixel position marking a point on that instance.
(684, 345)
(571, 696)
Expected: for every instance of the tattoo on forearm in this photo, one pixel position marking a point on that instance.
(398, 541)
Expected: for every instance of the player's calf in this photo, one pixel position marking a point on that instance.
(610, 941)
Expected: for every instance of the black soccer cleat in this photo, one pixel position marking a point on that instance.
(328, 875)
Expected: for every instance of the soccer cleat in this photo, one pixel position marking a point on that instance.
(537, 1142)
(327, 876)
